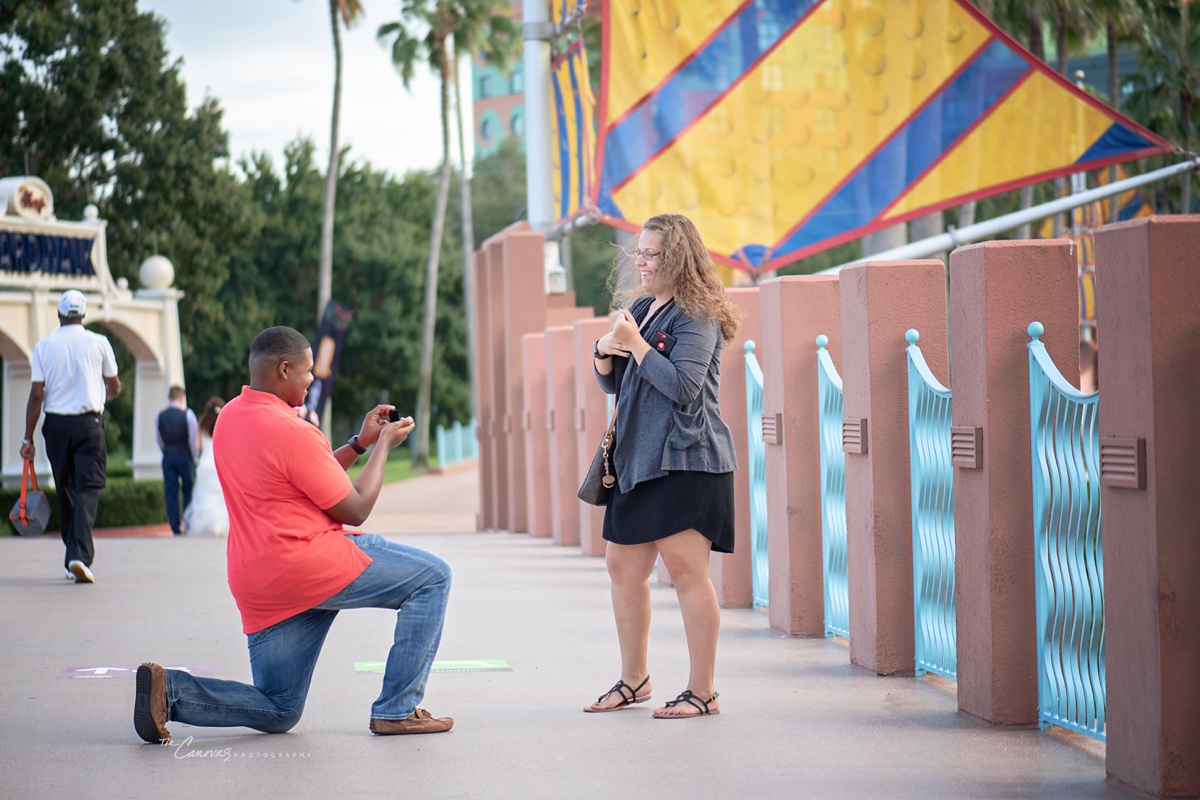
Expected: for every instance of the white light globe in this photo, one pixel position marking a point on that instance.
(156, 272)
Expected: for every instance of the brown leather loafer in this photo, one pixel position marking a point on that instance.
(150, 704)
(420, 722)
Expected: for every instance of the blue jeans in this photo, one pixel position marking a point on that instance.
(282, 657)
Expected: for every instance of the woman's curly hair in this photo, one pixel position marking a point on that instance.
(685, 265)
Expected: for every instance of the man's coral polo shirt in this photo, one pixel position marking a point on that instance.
(285, 555)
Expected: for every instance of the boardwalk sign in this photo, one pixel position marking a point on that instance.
(477, 665)
(129, 672)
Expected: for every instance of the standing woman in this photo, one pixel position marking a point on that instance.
(206, 515)
(673, 458)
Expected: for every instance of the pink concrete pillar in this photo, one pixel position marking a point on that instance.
(996, 290)
(879, 302)
(1148, 274)
(494, 348)
(591, 419)
(560, 421)
(561, 310)
(732, 573)
(794, 311)
(537, 436)
(485, 410)
(524, 304)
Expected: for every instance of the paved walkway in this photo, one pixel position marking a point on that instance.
(797, 721)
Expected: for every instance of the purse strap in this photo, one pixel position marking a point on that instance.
(28, 476)
(606, 447)
(33, 484)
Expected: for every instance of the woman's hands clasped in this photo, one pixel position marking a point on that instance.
(625, 339)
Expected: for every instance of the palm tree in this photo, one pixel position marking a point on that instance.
(486, 28)
(348, 11)
(1120, 18)
(430, 40)
(428, 31)
(1023, 20)
(966, 212)
(1074, 23)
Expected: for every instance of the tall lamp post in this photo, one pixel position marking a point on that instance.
(538, 32)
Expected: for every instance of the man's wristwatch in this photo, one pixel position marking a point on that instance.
(596, 354)
(26, 441)
(355, 446)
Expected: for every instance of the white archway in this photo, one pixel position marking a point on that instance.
(40, 258)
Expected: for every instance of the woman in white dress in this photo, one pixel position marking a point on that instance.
(206, 515)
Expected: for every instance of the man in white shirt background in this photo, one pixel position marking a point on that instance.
(74, 373)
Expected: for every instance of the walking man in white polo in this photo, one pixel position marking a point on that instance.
(74, 373)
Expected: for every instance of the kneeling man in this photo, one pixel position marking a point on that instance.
(292, 566)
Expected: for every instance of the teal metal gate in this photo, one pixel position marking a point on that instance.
(932, 479)
(833, 495)
(758, 479)
(457, 444)
(1065, 447)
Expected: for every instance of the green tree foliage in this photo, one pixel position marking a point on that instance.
(498, 189)
(77, 79)
(384, 245)
(382, 229)
(594, 254)
(93, 104)
(1168, 79)
(498, 200)
(103, 118)
(1119, 18)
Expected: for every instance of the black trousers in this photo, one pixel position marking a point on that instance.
(79, 461)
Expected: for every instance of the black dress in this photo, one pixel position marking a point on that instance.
(673, 503)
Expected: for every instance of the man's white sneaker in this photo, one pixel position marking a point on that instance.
(80, 571)
(70, 575)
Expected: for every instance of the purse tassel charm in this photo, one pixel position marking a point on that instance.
(609, 479)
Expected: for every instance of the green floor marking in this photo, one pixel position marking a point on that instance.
(476, 665)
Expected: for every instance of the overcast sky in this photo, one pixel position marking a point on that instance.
(270, 65)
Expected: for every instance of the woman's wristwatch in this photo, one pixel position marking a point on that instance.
(596, 354)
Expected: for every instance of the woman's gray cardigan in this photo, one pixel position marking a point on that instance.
(668, 417)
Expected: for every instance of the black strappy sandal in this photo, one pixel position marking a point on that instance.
(693, 700)
(628, 697)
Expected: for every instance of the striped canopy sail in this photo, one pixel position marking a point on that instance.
(785, 127)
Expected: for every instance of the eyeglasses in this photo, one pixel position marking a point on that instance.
(645, 255)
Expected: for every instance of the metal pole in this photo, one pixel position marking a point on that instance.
(538, 32)
(983, 230)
